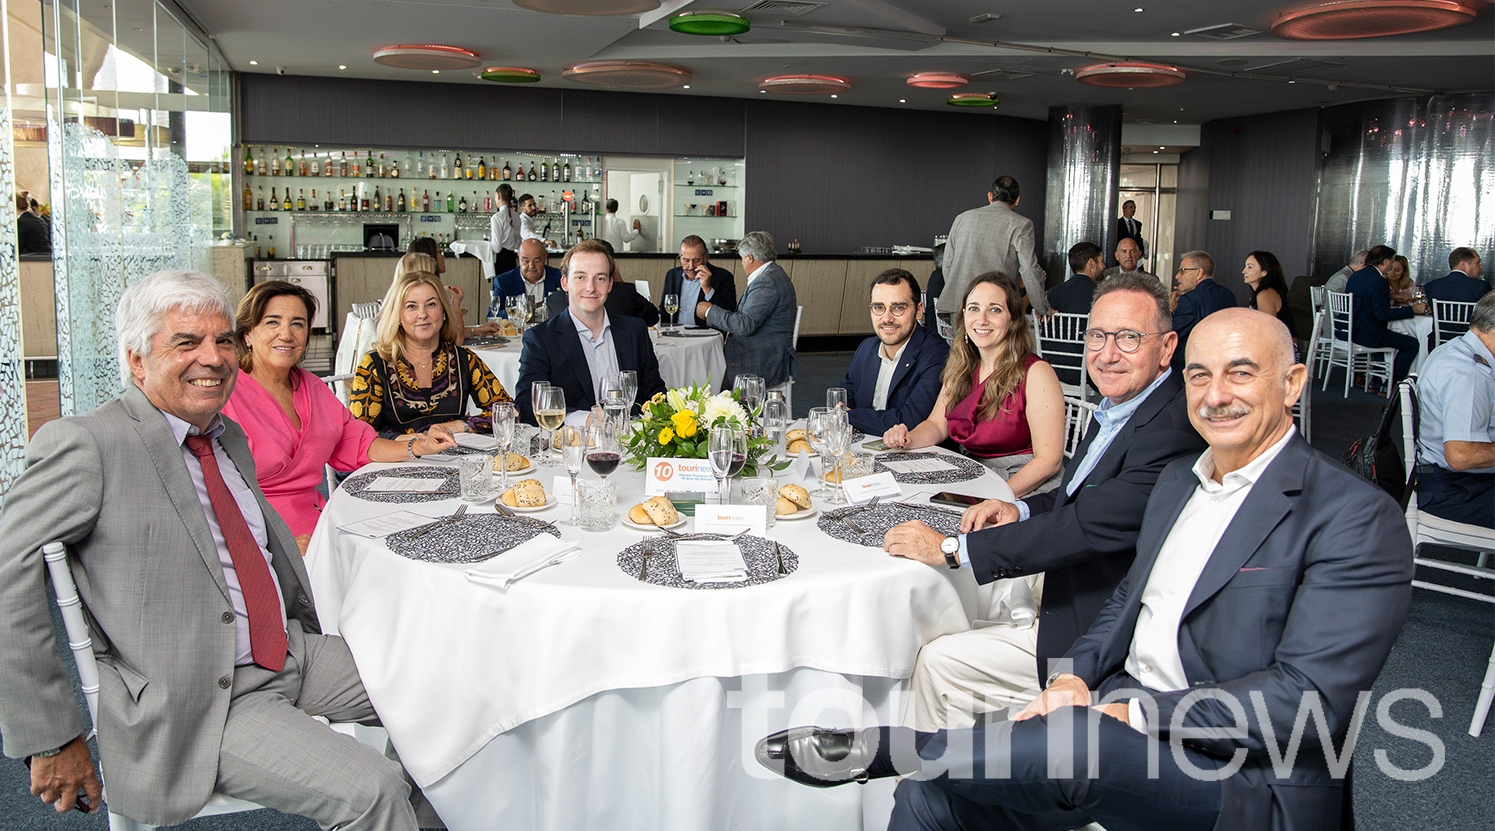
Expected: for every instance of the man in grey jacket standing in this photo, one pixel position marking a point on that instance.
(760, 333)
(212, 665)
(993, 238)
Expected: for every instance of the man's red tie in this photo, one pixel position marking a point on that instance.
(267, 636)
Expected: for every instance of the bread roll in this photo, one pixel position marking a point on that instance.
(796, 435)
(639, 516)
(799, 446)
(661, 511)
(796, 494)
(784, 507)
(513, 460)
(509, 499)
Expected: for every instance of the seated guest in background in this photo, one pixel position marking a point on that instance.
(534, 278)
(1080, 538)
(623, 299)
(760, 333)
(1340, 280)
(1206, 654)
(1463, 283)
(1197, 297)
(1000, 402)
(579, 346)
(697, 279)
(170, 539)
(416, 376)
(294, 423)
(894, 377)
(427, 246)
(1073, 296)
(1128, 258)
(1400, 280)
(1456, 436)
(1268, 287)
(1371, 298)
(33, 234)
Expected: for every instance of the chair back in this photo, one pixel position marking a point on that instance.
(1060, 340)
(1341, 315)
(78, 640)
(355, 342)
(1077, 413)
(1407, 390)
(799, 312)
(1450, 320)
(643, 289)
(367, 311)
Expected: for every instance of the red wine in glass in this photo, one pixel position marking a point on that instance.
(604, 462)
(738, 460)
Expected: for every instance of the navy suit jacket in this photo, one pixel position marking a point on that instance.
(1204, 300)
(511, 283)
(1305, 593)
(912, 391)
(1085, 543)
(1458, 287)
(1370, 297)
(552, 352)
(1073, 296)
(723, 293)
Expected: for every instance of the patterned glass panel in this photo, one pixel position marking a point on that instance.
(12, 372)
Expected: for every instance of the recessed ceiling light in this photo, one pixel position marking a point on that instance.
(833, 96)
(1139, 9)
(342, 66)
(1161, 147)
(762, 92)
(1154, 152)
(687, 86)
(1174, 35)
(903, 100)
(435, 72)
(1291, 81)
(254, 63)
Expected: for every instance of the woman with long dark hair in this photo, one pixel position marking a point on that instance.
(1268, 287)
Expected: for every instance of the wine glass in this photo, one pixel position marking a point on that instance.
(515, 309)
(630, 388)
(603, 452)
(671, 306)
(727, 450)
(835, 397)
(817, 424)
(550, 414)
(574, 449)
(749, 389)
(496, 310)
(614, 410)
(837, 440)
(505, 419)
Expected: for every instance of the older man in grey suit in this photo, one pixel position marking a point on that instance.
(760, 333)
(993, 238)
(211, 663)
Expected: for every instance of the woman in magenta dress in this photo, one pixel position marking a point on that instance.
(294, 423)
(999, 401)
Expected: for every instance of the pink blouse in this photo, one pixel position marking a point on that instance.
(289, 461)
(1005, 435)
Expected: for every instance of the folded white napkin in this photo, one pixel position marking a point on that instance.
(1010, 603)
(476, 441)
(711, 562)
(506, 569)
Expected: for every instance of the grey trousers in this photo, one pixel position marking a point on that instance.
(275, 753)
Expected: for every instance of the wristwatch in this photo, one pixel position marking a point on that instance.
(950, 546)
(410, 449)
(45, 754)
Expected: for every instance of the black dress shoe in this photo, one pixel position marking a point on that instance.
(822, 757)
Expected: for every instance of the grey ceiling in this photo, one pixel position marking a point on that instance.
(316, 37)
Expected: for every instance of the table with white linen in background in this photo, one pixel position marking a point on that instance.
(584, 698)
(482, 249)
(1419, 327)
(682, 360)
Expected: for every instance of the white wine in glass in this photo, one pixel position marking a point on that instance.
(671, 306)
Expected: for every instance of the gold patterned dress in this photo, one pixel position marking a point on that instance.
(390, 398)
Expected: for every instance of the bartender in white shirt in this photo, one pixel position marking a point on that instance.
(615, 231)
(503, 230)
(527, 211)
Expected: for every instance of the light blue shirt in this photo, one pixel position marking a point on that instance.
(1111, 417)
(1457, 392)
(602, 356)
(690, 295)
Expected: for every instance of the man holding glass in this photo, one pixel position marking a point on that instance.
(697, 279)
(894, 378)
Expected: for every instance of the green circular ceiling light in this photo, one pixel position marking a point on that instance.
(510, 75)
(712, 24)
(974, 99)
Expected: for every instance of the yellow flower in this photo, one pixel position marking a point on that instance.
(658, 397)
(666, 436)
(685, 423)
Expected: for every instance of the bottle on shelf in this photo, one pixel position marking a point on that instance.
(248, 161)
(482, 167)
(462, 205)
(400, 204)
(248, 197)
(555, 170)
(544, 171)
(254, 240)
(532, 177)
(363, 201)
(327, 205)
(301, 199)
(420, 165)
(369, 169)
(274, 200)
(259, 203)
(342, 165)
(378, 200)
(285, 204)
(259, 167)
(444, 170)
(566, 172)
(389, 202)
(305, 168)
(451, 202)
(394, 169)
(457, 166)
(270, 252)
(327, 170)
(290, 168)
(275, 161)
(508, 173)
(425, 203)
(357, 167)
(342, 200)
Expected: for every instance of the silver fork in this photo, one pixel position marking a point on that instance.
(704, 535)
(428, 528)
(512, 514)
(648, 551)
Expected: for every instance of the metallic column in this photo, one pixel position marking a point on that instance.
(1084, 174)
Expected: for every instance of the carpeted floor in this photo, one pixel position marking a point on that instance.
(1443, 650)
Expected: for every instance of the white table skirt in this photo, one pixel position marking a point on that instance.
(484, 250)
(682, 361)
(1419, 327)
(584, 698)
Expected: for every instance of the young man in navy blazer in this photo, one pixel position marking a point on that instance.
(580, 346)
(894, 377)
(1463, 283)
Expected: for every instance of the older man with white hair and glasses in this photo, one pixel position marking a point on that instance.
(212, 665)
(760, 333)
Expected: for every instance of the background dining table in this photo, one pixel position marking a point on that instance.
(582, 697)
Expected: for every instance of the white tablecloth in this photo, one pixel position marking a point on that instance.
(583, 698)
(681, 361)
(1418, 326)
(484, 250)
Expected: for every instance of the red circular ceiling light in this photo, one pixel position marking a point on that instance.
(804, 84)
(1130, 75)
(1349, 19)
(426, 56)
(590, 8)
(938, 80)
(628, 74)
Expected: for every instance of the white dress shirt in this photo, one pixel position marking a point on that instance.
(535, 291)
(527, 229)
(1153, 658)
(754, 276)
(502, 231)
(616, 232)
(602, 360)
(885, 376)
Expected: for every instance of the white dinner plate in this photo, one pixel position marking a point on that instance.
(802, 513)
(549, 503)
(641, 527)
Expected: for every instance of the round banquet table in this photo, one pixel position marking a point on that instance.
(682, 360)
(581, 697)
(1419, 327)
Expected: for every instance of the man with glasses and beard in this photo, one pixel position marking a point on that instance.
(894, 378)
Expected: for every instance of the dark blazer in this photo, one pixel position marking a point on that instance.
(1085, 543)
(1458, 287)
(723, 291)
(760, 334)
(1193, 306)
(1370, 297)
(1073, 296)
(1124, 232)
(623, 300)
(1305, 592)
(912, 390)
(552, 352)
(33, 234)
(511, 284)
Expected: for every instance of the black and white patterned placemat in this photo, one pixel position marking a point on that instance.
(877, 519)
(356, 485)
(471, 539)
(757, 553)
(965, 469)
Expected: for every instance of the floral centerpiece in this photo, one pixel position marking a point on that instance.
(677, 423)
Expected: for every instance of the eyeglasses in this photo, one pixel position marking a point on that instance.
(1127, 340)
(898, 309)
(1190, 268)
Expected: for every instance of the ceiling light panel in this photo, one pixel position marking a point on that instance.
(628, 74)
(1353, 19)
(1130, 75)
(589, 8)
(426, 56)
(804, 84)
